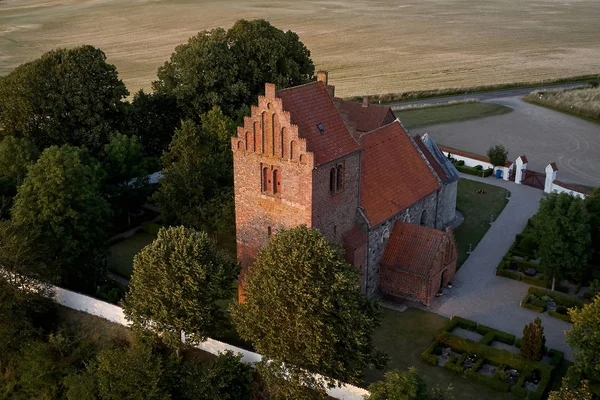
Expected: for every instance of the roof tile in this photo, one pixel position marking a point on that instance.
(366, 118)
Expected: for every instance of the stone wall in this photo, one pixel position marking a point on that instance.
(379, 235)
(447, 203)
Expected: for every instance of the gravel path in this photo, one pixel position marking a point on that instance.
(480, 295)
(543, 135)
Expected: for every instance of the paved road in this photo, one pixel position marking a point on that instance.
(480, 295)
(543, 135)
(485, 96)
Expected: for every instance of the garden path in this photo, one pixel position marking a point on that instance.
(478, 294)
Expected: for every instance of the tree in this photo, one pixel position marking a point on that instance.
(592, 204)
(153, 118)
(126, 173)
(67, 96)
(533, 342)
(189, 178)
(60, 206)
(229, 69)
(175, 283)
(564, 235)
(579, 391)
(134, 373)
(16, 155)
(497, 155)
(304, 313)
(406, 385)
(585, 339)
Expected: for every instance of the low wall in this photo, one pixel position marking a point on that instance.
(472, 160)
(561, 187)
(115, 314)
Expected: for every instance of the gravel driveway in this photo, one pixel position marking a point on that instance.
(480, 295)
(543, 135)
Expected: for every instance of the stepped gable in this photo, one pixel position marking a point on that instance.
(319, 122)
(393, 174)
(366, 117)
(413, 248)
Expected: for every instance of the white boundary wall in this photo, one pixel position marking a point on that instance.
(472, 162)
(115, 314)
(560, 189)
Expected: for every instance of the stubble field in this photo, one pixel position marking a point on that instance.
(369, 46)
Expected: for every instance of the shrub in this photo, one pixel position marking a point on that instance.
(460, 163)
(487, 338)
(430, 358)
(465, 323)
(488, 172)
(528, 245)
(562, 310)
(111, 291)
(454, 367)
(478, 167)
(538, 302)
(534, 280)
(151, 227)
(532, 345)
(525, 304)
(559, 316)
(509, 274)
(556, 356)
(498, 335)
(491, 382)
(560, 299)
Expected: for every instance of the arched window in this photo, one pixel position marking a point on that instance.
(272, 138)
(256, 137)
(263, 132)
(340, 177)
(332, 174)
(292, 149)
(266, 178)
(276, 181)
(424, 218)
(282, 141)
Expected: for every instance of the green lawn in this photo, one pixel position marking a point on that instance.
(121, 256)
(404, 336)
(418, 117)
(477, 209)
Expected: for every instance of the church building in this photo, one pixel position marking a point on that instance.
(353, 172)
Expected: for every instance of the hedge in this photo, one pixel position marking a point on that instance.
(428, 355)
(487, 338)
(556, 356)
(474, 171)
(509, 274)
(560, 299)
(555, 314)
(498, 335)
(525, 304)
(517, 389)
(489, 381)
(532, 280)
(454, 367)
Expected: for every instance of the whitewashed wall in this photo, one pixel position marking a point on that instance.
(560, 189)
(469, 162)
(115, 314)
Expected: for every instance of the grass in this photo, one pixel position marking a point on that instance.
(418, 117)
(582, 103)
(121, 256)
(404, 336)
(437, 44)
(477, 209)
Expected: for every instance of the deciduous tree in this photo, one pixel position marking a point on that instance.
(175, 283)
(533, 342)
(303, 312)
(497, 155)
(400, 385)
(565, 242)
(584, 338)
(16, 155)
(579, 391)
(592, 204)
(67, 96)
(61, 207)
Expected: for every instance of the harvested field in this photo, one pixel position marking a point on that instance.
(580, 102)
(375, 46)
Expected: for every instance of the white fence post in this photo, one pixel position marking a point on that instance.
(520, 165)
(551, 171)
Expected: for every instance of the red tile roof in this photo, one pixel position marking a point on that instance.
(432, 161)
(524, 159)
(310, 105)
(413, 248)
(366, 118)
(554, 167)
(393, 173)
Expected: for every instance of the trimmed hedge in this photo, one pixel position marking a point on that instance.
(473, 170)
(525, 304)
(560, 299)
(497, 335)
(456, 368)
(489, 381)
(509, 274)
(487, 338)
(532, 280)
(564, 317)
(465, 323)
(428, 355)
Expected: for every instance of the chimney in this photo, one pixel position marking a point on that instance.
(322, 76)
(365, 102)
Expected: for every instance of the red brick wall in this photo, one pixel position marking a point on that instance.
(400, 283)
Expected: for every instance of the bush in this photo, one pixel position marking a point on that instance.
(491, 382)
(478, 167)
(498, 335)
(525, 304)
(460, 163)
(556, 356)
(560, 299)
(559, 288)
(454, 367)
(528, 245)
(111, 291)
(562, 310)
(488, 172)
(536, 301)
(465, 323)
(427, 355)
(559, 316)
(509, 274)
(534, 280)
(151, 227)
(487, 338)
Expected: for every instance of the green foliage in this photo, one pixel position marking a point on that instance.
(584, 338)
(175, 283)
(560, 299)
(465, 323)
(525, 303)
(498, 335)
(153, 118)
(224, 378)
(497, 155)
(564, 235)
(135, 373)
(399, 385)
(492, 382)
(151, 227)
(229, 69)
(592, 204)
(301, 284)
(474, 170)
(509, 274)
(428, 355)
(16, 155)
(67, 96)
(533, 341)
(569, 391)
(60, 206)
(594, 288)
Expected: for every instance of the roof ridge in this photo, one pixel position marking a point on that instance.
(385, 126)
(298, 86)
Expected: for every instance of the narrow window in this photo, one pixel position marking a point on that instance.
(292, 149)
(273, 121)
(282, 141)
(332, 174)
(256, 137)
(276, 181)
(340, 177)
(424, 218)
(269, 232)
(249, 141)
(335, 229)
(267, 187)
(263, 133)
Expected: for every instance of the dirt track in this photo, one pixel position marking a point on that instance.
(543, 135)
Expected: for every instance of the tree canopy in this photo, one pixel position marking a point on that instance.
(579, 391)
(593, 207)
(229, 68)
(303, 310)
(67, 96)
(497, 155)
(532, 345)
(584, 338)
(175, 283)
(60, 206)
(565, 241)
(406, 385)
